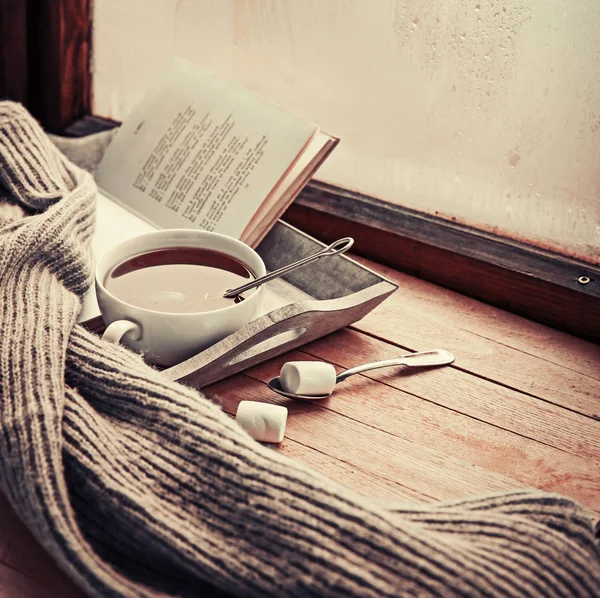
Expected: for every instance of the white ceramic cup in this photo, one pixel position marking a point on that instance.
(168, 338)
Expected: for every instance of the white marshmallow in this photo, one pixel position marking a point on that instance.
(264, 422)
(307, 377)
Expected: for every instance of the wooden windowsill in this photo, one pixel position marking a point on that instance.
(518, 408)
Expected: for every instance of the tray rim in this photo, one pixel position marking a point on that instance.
(343, 255)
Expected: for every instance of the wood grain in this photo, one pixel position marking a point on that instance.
(416, 329)
(350, 474)
(24, 566)
(492, 323)
(394, 458)
(13, 50)
(411, 414)
(470, 395)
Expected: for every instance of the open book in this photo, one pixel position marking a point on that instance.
(201, 152)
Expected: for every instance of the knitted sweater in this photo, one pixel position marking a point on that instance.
(138, 486)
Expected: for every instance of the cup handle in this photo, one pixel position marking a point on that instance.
(119, 328)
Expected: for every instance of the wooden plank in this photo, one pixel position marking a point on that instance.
(424, 470)
(14, 584)
(13, 50)
(21, 554)
(409, 325)
(423, 421)
(492, 323)
(461, 392)
(351, 475)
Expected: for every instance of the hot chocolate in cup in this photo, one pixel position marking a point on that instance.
(160, 293)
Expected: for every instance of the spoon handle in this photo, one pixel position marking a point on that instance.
(423, 359)
(339, 246)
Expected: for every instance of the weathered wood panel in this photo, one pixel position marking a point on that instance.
(13, 50)
(59, 61)
(494, 324)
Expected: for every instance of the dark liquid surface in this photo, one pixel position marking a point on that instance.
(177, 280)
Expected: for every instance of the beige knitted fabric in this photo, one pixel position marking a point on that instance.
(141, 487)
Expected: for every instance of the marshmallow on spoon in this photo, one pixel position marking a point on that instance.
(264, 422)
(307, 377)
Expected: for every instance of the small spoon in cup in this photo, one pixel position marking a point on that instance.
(337, 247)
(423, 359)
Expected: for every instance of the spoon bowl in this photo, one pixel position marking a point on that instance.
(275, 385)
(436, 357)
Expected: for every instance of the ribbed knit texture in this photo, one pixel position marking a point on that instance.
(138, 486)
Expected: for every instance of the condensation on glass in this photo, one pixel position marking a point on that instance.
(484, 111)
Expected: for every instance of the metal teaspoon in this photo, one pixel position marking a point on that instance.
(339, 246)
(414, 360)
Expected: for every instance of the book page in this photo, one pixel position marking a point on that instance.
(200, 152)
